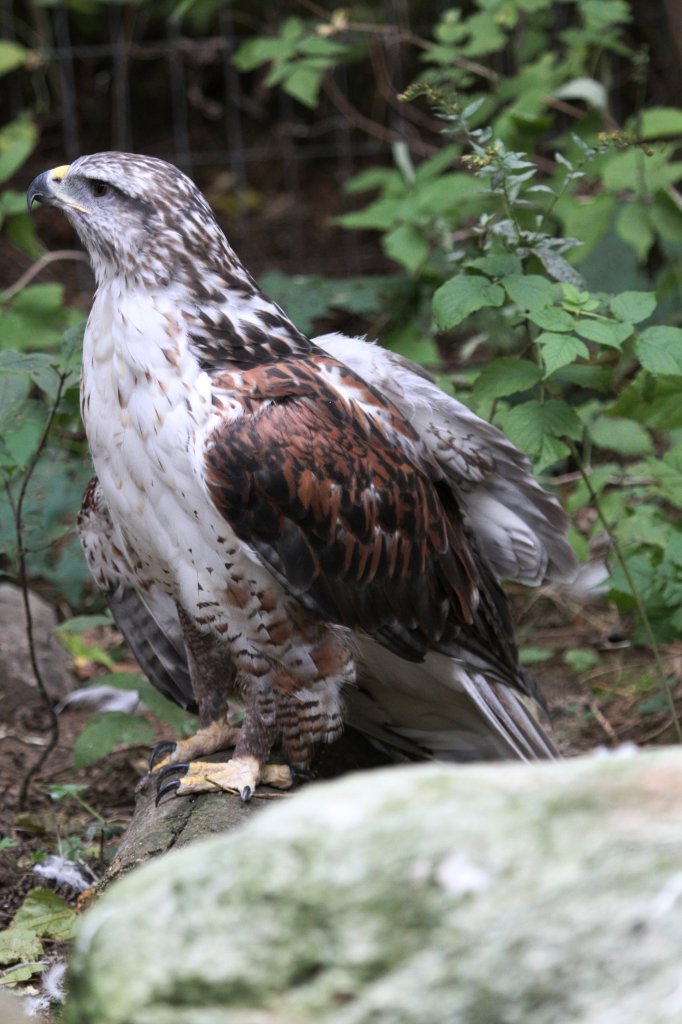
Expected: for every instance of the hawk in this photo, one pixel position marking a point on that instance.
(309, 525)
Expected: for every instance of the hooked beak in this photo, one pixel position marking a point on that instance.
(48, 188)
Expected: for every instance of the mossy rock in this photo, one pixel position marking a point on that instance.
(500, 894)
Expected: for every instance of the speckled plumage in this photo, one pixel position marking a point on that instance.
(313, 526)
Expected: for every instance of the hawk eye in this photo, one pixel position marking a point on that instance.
(100, 188)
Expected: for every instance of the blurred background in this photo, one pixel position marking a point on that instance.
(181, 79)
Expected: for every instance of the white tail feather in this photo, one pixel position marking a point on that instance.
(441, 709)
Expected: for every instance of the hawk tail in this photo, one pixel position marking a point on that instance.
(441, 709)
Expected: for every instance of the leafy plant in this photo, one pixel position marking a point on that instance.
(529, 247)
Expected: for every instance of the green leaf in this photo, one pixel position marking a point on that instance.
(534, 655)
(633, 225)
(39, 299)
(12, 55)
(460, 296)
(654, 401)
(407, 246)
(659, 122)
(537, 428)
(615, 434)
(589, 220)
(552, 319)
(19, 944)
(660, 350)
(106, 731)
(82, 623)
(19, 362)
(46, 914)
(560, 350)
(581, 659)
(655, 171)
(435, 165)
(529, 291)
(577, 301)
(378, 216)
(585, 375)
(633, 307)
(506, 376)
(17, 140)
(43, 914)
(14, 390)
(373, 178)
(666, 217)
(303, 83)
(22, 438)
(164, 709)
(667, 474)
(604, 332)
(496, 265)
(437, 198)
(260, 50)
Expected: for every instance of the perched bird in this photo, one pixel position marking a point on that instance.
(312, 526)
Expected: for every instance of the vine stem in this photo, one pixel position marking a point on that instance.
(18, 510)
(641, 610)
(40, 264)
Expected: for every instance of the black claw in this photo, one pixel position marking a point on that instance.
(167, 747)
(164, 782)
(171, 769)
(245, 794)
(169, 787)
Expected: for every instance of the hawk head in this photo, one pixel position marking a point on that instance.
(137, 216)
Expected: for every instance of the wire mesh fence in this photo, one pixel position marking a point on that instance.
(142, 82)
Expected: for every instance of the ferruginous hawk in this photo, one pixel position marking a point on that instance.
(310, 525)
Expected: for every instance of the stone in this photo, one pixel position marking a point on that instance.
(496, 894)
(11, 1010)
(15, 665)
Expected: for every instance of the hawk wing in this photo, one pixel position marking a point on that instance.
(147, 618)
(332, 489)
(519, 527)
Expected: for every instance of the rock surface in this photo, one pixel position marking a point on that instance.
(11, 1010)
(503, 894)
(15, 665)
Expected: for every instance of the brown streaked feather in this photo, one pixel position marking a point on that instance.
(348, 517)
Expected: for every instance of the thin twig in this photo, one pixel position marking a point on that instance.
(601, 718)
(343, 104)
(40, 264)
(23, 582)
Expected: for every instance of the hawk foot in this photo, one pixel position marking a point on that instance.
(239, 775)
(219, 735)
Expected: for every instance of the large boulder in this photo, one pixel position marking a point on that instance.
(500, 894)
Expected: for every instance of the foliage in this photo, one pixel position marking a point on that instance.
(109, 730)
(512, 229)
(42, 915)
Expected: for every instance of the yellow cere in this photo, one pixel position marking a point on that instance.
(59, 173)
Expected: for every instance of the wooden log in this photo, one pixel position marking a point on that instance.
(178, 821)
